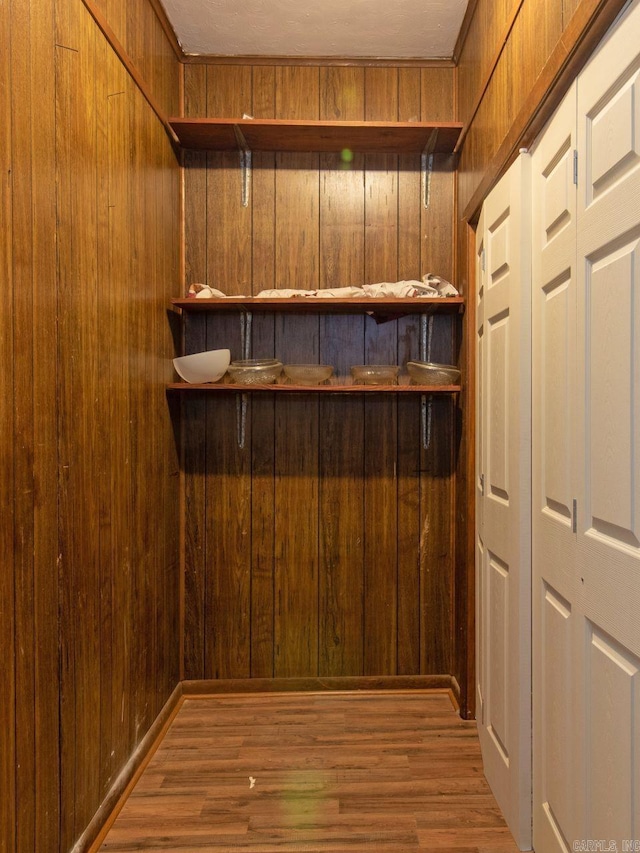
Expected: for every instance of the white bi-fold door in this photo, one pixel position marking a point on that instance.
(586, 457)
(503, 611)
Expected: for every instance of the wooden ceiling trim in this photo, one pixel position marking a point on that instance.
(365, 62)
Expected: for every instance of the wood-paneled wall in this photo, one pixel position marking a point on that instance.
(89, 535)
(514, 52)
(142, 29)
(323, 546)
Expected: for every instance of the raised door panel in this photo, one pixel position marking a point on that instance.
(554, 775)
(611, 316)
(497, 639)
(612, 738)
(499, 282)
(553, 480)
(608, 439)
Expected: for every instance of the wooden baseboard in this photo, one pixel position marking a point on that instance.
(95, 833)
(278, 685)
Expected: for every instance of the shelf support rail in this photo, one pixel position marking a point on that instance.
(426, 336)
(245, 164)
(427, 167)
(242, 400)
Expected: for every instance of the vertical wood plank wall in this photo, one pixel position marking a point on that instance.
(511, 56)
(323, 547)
(89, 252)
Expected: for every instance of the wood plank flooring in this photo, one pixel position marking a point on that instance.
(374, 771)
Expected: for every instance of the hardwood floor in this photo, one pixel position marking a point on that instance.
(383, 771)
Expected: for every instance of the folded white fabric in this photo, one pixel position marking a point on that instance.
(340, 292)
(282, 293)
(209, 292)
(439, 284)
(400, 289)
(431, 285)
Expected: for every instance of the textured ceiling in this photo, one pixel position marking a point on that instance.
(386, 29)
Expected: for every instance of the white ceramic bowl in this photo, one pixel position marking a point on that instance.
(202, 367)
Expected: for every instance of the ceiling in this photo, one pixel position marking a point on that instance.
(382, 29)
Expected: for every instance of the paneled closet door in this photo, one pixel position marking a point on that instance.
(608, 437)
(586, 456)
(503, 499)
(554, 594)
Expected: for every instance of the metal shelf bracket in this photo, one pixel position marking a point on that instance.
(426, 336)
(242, 400)
(426, 169)
(245, 164)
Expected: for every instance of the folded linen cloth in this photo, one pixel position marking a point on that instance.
(339, 292)
(401, 289)
(209, 292)
(281, 293)
(431, 285)
(439, 284)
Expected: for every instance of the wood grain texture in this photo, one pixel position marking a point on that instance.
(32, 617)
(87, 274)
(7, 465)
(335, 483)
(541, 41)
(389, 771)
(143, 35)
(341, 423)
(326, 135)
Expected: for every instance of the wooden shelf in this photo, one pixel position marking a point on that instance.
(281, 388)
(320, 305)
(411, 137)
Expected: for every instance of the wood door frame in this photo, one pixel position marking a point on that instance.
(465, 522)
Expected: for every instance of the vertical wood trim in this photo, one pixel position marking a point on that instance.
(415, 86)
(7, 442)
(465, 590)
(262, 411)
(380, 436)
(194, 415)
(341, 427)
(297, 94)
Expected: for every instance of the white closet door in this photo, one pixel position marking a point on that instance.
(503, 543)
(554, 592)
(586, 448)
(608, 436)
